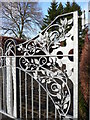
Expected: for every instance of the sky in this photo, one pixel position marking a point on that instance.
(45, 4)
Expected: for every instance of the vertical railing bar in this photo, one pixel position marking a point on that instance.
(9, 85)
(46, 103)
(4, 90)
(1, 89)
(39, 101)
(11, 92)
(32, 94)
(26, 93)
(20, 94)
(55, 113)
(14, 86)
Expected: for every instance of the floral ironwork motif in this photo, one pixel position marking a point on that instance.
(46, 59)
(10, 48)
(46, 45)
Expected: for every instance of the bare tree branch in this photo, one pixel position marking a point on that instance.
(20, 16)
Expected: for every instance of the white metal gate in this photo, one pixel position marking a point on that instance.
(39, 78)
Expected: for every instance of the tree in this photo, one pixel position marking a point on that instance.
(56, 10)
(20, 17)
(60, 9)
(52, 13)
(81, 33)
(75, 6)
(67, 8)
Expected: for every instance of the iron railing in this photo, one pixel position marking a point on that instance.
(39, 78)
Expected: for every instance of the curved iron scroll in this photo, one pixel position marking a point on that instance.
(49, 59)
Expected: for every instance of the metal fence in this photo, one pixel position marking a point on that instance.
(39, 77)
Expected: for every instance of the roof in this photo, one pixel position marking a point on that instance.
(5, 38)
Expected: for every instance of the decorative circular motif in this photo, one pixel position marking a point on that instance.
(30, 48)
(42, 61)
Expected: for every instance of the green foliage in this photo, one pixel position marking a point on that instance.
(52, 13)
(56, 10)
(60, 9)
(68, 8)
(75, 6)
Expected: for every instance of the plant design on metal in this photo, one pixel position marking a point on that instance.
(48, 58)
(46, 69)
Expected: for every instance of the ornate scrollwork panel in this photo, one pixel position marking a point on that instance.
(50, 59)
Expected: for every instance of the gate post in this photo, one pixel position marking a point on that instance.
(75, 108)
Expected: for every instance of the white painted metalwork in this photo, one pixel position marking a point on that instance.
(26, 93)
(75, 109)
(32, 95)
(51, 61)
(47, 102)
(39, 101)
(20, 93)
